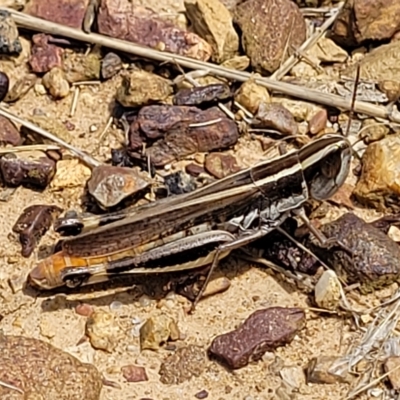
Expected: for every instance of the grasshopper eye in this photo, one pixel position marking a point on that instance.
(75, 277)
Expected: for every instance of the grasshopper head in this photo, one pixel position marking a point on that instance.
(326, 164)
(45, 275)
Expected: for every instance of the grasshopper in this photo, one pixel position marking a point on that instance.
(199, 228)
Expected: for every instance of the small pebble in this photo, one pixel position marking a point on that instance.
(93, 128)
(145, 300)
(134, 373)
(203, 394)
(84, 309)
(56, 83)
(135, 332)
(318, 122)
(136, 320)
(375, 392)
(132, 349)
(115, 305)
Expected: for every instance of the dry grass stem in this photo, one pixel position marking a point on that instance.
(33, 147)
(105, 131)
(86, 83)
(372, 345)
(313, 39)
(12, 387)
(74, 102)
(207, 123)
(90, 161)
(370, 384)
(315, 96)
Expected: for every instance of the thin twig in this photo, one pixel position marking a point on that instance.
(90, 161)
(37, 24)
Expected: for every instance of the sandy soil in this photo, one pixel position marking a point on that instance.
(54, 319)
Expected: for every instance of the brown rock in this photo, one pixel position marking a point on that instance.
(156, 331)
(81, 67)
(65, 12)
(141, 88)
(120, 19)
(212, 21)
(318, 122)
(270, 32)
(263, 331)
(185, 363)
(156, 121)
(20, 88)
(102, 330)
(30, 168)
(194, 169)
(45, 372)
(392, 366)
(32, 224)
(251, 95)
(382, 63)
(110, 65)
(14, 4)
(239, 63)
(110, 185)
(361, 20)
(275, 116)
(56, 83)
(379, 184)
(318, 371)
(373, 261)
(134, 373)
(184, 139)
(373, 131)
(45, 55)
(391, 89)
(9, 40)
(221, 165)
(64, 179)
(326, 51)
(9, 133)
(202, 94)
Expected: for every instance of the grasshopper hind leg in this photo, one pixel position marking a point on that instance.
(243, 239)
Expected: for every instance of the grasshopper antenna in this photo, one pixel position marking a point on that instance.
(353, 100)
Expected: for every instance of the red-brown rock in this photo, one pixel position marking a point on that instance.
(119, 19)
(65, 12)
(45, 55)
(9, 133)
(263, 331)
